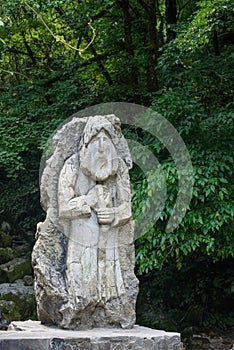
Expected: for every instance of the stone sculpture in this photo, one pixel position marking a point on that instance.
(83, 258)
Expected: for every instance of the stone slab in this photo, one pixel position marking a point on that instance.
(32, 335)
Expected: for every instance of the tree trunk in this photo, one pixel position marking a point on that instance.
(152, 81)
(128, 40)
(170, 18)
(216, 43)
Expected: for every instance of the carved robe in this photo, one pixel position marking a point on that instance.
(92, 266)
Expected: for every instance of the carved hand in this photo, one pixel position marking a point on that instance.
(105, 216)
(84, 211)
(79, 207)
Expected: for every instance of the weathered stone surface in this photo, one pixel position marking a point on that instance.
(15, 251)
(218, 340)
(16, 268)
(6, 254)
(5, 230)
(84, 255)
(17, 302)
(32, 335)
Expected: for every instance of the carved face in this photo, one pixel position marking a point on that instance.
(99, 159)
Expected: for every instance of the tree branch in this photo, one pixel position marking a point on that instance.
(181, 9)
(98, 15)
(99, 62)
(10, 49)
(90, 42)
(97, 58)
(29, 50)
(143, 4)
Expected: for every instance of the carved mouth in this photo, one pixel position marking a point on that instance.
(103, 166)
(103, 163)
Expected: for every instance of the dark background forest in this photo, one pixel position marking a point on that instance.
(175, 57)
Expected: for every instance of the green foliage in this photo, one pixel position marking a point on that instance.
(55, 61)
(197, 97)
(200, 294)
(41, 87)
(212, 15)
(50, 69)
(30, 119)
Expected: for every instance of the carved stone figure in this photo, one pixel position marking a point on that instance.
(83, 258)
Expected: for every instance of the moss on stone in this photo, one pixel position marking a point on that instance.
(16, 269)
(6, 254)
(5, 240)
(9, 311)
(17, 303)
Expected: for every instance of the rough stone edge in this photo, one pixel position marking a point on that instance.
(25, 334)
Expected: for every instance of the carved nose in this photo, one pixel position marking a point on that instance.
(101, 144)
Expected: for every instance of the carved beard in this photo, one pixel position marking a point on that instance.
(99, 165)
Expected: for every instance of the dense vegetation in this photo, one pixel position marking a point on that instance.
(58, 57)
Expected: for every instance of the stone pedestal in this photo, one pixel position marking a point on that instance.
(30, 335)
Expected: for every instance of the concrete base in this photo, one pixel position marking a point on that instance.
(32, 335)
